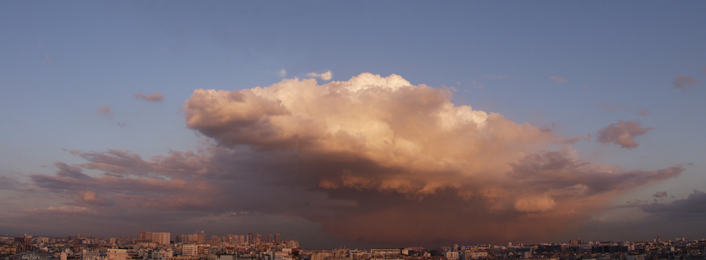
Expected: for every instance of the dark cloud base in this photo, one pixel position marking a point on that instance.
(371, 161)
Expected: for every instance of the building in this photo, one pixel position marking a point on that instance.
(190, 250)
(162, 238)
(477, 254)
(385, 253)
(145, 236)
(198, 238)
(215, 240)
(320, 255)
(221, 257)
(117, 254)
(452, 255)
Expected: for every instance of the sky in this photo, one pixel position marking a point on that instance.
(357, 123)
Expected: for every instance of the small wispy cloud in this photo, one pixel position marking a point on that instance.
(325, 76)
(105, 110)
(558, 79)
(282, 73)
(47, 55)
(660, 195)
(8, 183)
(683, 82)
(622, 133)
(477, 85)
(155, 97)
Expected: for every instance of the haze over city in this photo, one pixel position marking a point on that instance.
(361, 123)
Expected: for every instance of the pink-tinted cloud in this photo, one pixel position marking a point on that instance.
(155, 97)
(622, 133)
(684, 82)
(366, 158)
(395, 148)
(105, 110)
(325, 76)
(385, 120)
(558, 79)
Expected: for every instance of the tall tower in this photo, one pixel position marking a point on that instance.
(250, 241)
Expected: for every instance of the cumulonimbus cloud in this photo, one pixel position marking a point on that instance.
(155, 97)
(622, 133)
(372, 159)
(396, 148)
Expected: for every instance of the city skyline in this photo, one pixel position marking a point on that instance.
(366, 124)
(94, 248)
(255, 239)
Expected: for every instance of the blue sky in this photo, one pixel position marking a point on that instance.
(572, 67)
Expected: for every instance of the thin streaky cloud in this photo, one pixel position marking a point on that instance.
(558, 79)
(155, 97)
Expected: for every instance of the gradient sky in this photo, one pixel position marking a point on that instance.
(361, 123)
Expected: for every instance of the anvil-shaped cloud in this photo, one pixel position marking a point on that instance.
(419, 168)
(372, 159)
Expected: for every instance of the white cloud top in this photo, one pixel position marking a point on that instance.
(366, 158)
(325, 76)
